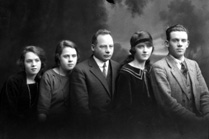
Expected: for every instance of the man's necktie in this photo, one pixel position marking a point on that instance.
(104, 69)
(184, 69)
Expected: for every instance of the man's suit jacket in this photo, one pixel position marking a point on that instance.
(168, 86)
(90, 94)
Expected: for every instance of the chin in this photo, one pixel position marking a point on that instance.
(107, 59)
(144, 59)
(32, 74)
(70, 68)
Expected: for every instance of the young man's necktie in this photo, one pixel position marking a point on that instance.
(184, 69)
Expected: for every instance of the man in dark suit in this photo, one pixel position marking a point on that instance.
(179, 86)
(93, 84)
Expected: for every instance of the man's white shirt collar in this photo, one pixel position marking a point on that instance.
(177, 61)
(101, 63)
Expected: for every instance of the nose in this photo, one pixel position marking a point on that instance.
(180, 43)
(107, 50)
(145, 49)
(70, 59)
(33, 63)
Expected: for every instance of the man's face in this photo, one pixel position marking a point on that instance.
(178, 43)
(104, 48)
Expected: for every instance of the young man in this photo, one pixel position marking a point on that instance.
(178, 84)
(92, 83)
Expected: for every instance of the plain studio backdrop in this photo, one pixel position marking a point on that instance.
(45, 22)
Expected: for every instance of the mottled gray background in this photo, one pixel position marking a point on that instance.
(45, 22)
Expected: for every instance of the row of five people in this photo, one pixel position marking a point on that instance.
(103, 94)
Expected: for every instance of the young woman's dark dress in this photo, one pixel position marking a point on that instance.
(134, 102)
(19, 106)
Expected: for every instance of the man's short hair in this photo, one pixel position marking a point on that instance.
(176, 27)
(99, 32)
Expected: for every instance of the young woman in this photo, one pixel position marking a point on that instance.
(20, 92)
(134, 101)
(54, 86)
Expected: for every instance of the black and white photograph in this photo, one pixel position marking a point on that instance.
(104, 69)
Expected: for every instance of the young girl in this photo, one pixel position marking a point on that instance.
(20, 92)
(54, 86)
(134, 101)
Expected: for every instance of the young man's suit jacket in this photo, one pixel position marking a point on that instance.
(168, 86)
(90, 94)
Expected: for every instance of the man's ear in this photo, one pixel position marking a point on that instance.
(188, 42)
(92, 47)
(166, 43)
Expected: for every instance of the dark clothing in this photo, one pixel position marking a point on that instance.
(135, 105)
(54, 92)
(18, 103)
(91, 96)
(90, 93)
(19, 100)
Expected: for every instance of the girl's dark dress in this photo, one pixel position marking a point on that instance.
(18, 105)
(134, 102)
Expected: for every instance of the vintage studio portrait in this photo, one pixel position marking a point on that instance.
(104, 69)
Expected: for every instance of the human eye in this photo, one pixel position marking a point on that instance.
(139, 46)
(37, 60)
(65, 56)
(149, 46)
(28, 60)
(74, 55)
(184, 40)
(111, 46)
(174, 40)
(102, 46)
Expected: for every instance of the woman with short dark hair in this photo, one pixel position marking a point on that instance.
(54, 86)
(20, 92)
(134, 100)
(53, 108)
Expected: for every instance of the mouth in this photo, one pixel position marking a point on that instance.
(180, 50)
(107, 56)
(145, 55)
(70, 65)
(34, 69)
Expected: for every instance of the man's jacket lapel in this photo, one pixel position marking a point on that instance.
(94, 69)
(177, 74)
